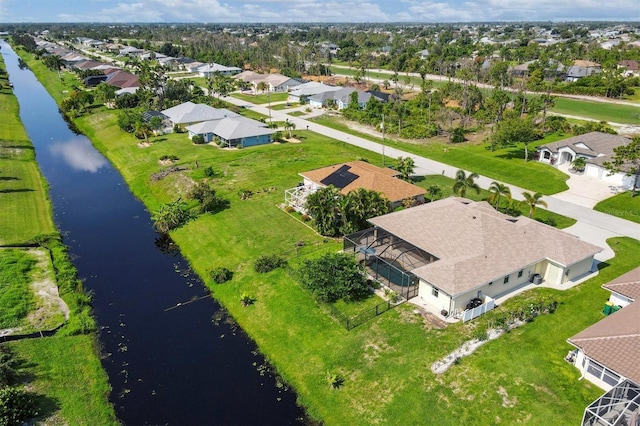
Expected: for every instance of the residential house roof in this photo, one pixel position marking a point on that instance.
(189, 112)
(475, 244)
(344, 95)
(312, 88)
(597, 147)
(123, 79)
(88, 64)
(615, 340)
(214, 68)
(627, 285)
(578, 71)
(360, 174)
(630, 65)
(232, 128)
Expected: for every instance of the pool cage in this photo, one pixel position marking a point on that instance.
(619, 406)
(388, 259)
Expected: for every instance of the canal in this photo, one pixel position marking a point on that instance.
(168, 361)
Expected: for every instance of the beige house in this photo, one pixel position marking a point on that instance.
(455, 250)
(354, 175)
(608, 352)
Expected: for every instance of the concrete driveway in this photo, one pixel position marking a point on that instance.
(586, 191)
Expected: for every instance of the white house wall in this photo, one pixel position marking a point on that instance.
(579, 269)
(425, 292)
(619, 300)
(597, 374)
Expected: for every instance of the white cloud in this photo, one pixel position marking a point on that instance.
(79, 154)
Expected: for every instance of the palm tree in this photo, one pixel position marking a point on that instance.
(498, 190)
(406, 167)
(533, 200)
(579, 164)
(290, 126)
(464, 182)
(262, 86)
(434, 191)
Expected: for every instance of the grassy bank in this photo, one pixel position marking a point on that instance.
(65, 371)
(385, 363)
(505, 164)
(622, 205)
(601, 111)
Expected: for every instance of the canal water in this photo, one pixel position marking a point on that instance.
(169, 362)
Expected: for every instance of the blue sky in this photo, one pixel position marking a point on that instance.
(315, 10)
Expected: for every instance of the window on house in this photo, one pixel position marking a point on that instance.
(547, 154)
(506, 280)
(520, 273)
(435, 292)
(491, 283)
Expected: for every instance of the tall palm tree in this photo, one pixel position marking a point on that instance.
(464, 182)
(533, 200)
(498, 190)
(405, 166)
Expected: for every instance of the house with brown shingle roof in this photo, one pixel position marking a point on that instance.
(353, 175)
(608, 352)
(456, 250)
(595, 147)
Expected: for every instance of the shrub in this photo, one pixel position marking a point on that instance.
(457, 135)
(267, 263)
(198, 139)
(289, 209)
(209, 172)
(334, 276)
(481, 334)
(17, 405)
(220, 275)
(335, 380)
(246, 300)
(306, 218)
(169, 157)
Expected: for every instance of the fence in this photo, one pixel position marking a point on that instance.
(352, 322)
(470, 314)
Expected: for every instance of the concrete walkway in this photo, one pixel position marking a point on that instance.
(593, 224)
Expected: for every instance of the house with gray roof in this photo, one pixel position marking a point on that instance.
(596, 148)
(233, 132)
(189, 113)
(303, 92)
(209, 70)
(455, 251)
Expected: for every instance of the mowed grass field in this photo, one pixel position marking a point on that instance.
(23, 197)
(520, 378)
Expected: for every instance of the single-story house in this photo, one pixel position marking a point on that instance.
(122, 79)
(581, 69)
(189, 113)
(275, 82)
(304, 91)
(423, 54)
(209, 70)
(631, 68)
(233, 131)
(350, 176)
(452, 251)
(596, 147)
(607, 353)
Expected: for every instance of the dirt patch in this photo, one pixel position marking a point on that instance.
(431, 321)
(166, 162)
(51, 310)
(144, 144)
(506, 402)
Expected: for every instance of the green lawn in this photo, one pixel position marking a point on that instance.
(67, 373)
(601, 111)
(622, 205)
(262, 98)
(506, 164)
(297, 113)
(16, 300)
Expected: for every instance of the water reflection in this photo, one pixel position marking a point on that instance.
(79, 154)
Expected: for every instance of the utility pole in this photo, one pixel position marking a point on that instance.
(382, 127)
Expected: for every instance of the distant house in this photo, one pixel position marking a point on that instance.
(631, 68)
(303, 92)
(275, 82)
(596, 147)
(189, 113)
(212, 69)
(607, 352)
(423, 54)
(122, 79)
(353, 175)
(581, 69)
(455, 252)
(233, 131)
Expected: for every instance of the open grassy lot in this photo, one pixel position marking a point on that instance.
(522, 377)
(16, 300)
(622, 205)
(505, 164)
(601, 111)
(262, 98)
(413, 81)
(446, 186)
(69, 376)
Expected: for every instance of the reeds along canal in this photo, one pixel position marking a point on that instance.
(170, 355)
